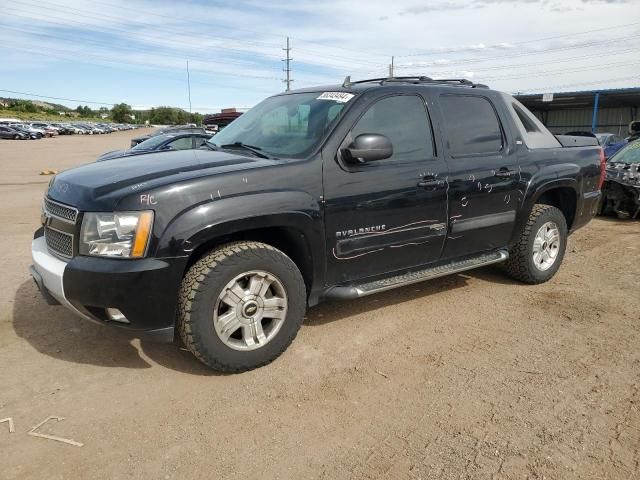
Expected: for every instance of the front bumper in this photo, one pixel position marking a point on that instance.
(144, 291)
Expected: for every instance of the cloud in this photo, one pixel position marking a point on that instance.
(438, 7)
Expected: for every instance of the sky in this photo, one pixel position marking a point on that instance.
(136, 51)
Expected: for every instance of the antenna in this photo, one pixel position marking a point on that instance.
(189, 86)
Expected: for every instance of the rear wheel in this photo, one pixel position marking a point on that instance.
(241, 306)
(543, 241)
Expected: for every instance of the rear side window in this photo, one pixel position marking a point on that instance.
(183, 143)
(403, 120)
(530, 129)
(526, 121)
(471, 124)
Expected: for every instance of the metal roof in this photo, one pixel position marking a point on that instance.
(608, 98)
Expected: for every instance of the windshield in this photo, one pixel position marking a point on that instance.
(286, 125)
(629, 154)
(151, 143)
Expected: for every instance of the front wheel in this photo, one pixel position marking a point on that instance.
(16, 137)
(539, 252)
(241, 306)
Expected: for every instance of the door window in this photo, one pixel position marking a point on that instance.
(200, 141)
(183, 143)
(471, 124)
(403, 120)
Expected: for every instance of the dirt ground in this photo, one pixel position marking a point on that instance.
(470, 376)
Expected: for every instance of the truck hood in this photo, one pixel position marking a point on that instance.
(101, 185)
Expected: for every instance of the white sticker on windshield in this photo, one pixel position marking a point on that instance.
(340, 97)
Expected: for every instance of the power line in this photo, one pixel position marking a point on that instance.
(565, 70)
(93, 102)
(524, 42)
(134, 49)
(608, 80)
(147, 35)
(511, 66)
(467, 61)
(225, 26)
(547, 72)
(59, 98)
(81, 57)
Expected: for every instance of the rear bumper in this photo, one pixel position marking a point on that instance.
(144, 291)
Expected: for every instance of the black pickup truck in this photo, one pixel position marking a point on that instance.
(323, 193)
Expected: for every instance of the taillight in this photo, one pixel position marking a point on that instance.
(603, 169)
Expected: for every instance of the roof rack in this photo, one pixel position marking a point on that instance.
(457, 82)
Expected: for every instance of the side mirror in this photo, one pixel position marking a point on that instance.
(368, 147)
(168, 147)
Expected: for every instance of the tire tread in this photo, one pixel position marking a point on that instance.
(199, 275)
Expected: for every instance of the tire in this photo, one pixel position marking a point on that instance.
(16, 137)
(523, 263)
(202, 312)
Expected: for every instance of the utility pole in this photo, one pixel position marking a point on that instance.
(391, 68)
(189, 86)
(287, 68)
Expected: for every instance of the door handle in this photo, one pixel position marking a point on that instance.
(504, 172)
(430, 181)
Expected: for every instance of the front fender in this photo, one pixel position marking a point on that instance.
(225, 216)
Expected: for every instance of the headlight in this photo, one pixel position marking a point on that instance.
(120, 234)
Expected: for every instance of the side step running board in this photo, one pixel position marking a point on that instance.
(360, 290)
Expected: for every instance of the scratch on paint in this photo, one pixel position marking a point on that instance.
(408, 244)
(354, 256)
(454, 238)
(464, 202)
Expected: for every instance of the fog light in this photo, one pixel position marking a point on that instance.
(116, 315)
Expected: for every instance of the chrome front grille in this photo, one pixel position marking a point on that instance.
(59, 222)
(59, 243)
(63, 212)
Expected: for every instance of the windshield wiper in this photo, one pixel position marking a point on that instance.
(251, 148)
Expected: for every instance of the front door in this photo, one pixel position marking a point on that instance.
(385, 215)
(483, 175)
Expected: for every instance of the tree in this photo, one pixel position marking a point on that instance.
(120, 113)
(23, 106)
(84, 111)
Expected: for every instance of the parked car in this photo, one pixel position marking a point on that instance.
(610, 142)
(322, 193)
(46, 129)
(11, 133)
(180, 128)
(160, 143)
(84, 129)
(34, 132)
(63, 129)
(621, 190)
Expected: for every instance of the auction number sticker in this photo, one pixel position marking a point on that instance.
(340, 97)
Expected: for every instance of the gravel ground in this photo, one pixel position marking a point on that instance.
(469, 376)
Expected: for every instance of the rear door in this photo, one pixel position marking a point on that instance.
(483, 174)
(390, 214)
